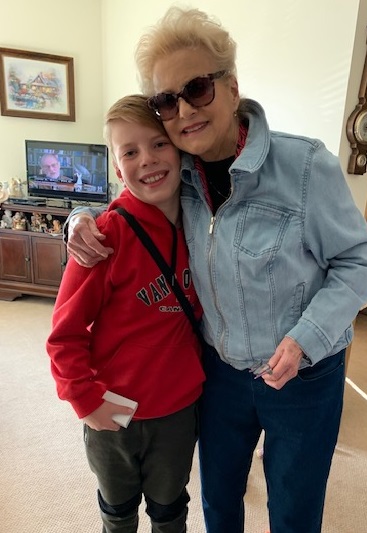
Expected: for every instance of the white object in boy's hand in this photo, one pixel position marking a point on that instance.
(119, 418)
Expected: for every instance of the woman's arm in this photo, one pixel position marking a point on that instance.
(335, 232)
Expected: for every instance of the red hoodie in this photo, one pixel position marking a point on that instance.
(118, 327)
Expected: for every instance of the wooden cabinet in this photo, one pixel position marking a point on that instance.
(31, 262)
(15, 253)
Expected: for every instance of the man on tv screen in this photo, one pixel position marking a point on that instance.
(50, 175)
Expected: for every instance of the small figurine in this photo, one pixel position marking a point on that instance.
(19, 221)
(56, 227)
(49, 221)
(38, 223)
(4, 192)
(6, 220)
(15, 188)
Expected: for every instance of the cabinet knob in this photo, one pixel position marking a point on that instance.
(27, 259)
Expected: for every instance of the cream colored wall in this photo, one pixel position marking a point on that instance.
(67, 28)
(294, 57)
(358, 184)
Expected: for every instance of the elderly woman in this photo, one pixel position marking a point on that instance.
(278, 252)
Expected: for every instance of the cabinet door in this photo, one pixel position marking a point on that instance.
(15, 257)
(49, 260)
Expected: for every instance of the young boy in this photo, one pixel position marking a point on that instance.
(118, 327)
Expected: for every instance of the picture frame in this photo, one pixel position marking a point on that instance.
(36, 85)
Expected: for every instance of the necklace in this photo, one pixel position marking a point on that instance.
(214, 188)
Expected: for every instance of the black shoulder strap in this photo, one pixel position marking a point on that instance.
(164, 267)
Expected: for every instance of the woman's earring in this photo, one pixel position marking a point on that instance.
(235, 114)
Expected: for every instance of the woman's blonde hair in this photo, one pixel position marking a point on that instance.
(132, 108)
(179, 29)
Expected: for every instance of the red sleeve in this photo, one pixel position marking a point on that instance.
(81, 296)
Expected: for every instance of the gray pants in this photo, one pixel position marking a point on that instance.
(150, 457)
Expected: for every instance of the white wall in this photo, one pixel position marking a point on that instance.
(294, 57)
(68, 28)
(289, 59)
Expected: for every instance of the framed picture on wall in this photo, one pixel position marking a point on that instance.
(35, 85)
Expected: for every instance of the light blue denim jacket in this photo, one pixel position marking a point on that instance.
(286, 254)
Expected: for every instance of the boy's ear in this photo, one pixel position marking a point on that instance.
(118, 172)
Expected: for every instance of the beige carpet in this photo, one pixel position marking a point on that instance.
(45, 482)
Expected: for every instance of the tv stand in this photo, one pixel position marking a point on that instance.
(31, 262)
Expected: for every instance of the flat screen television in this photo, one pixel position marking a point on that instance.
(67, 171)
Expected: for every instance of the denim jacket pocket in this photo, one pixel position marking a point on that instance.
(261, 230)
(298, 303)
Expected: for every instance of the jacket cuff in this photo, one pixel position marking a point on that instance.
(313, 342)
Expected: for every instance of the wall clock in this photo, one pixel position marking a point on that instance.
(356, 129)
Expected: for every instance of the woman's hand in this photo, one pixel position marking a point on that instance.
(84, 241)
(284, 363)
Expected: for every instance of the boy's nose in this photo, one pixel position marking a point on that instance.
(149, 158)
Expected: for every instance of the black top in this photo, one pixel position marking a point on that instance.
(218, 179)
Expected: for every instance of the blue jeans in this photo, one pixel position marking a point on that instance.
(301, 424)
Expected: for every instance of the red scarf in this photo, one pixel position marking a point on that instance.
(241, 141)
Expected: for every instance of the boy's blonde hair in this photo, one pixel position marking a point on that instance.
(183, 29)
(132, 108)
